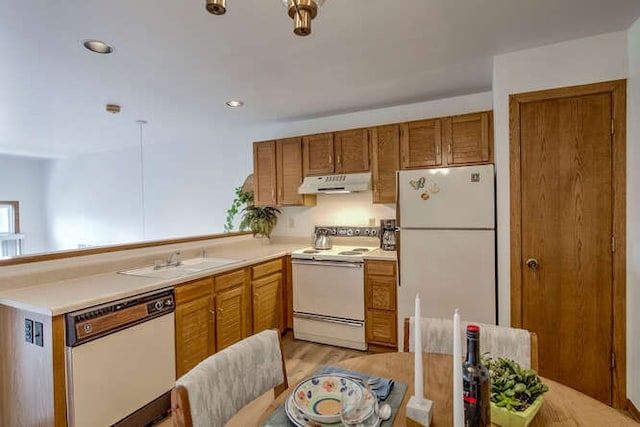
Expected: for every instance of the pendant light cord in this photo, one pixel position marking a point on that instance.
(142, 123)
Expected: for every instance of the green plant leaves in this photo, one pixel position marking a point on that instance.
(260, 219)
(512, 387)
(242, 198)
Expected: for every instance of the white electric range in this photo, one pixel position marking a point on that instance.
(328, 292)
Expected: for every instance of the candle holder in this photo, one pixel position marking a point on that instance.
(419, 412)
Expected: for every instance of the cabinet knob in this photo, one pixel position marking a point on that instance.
(532, 263)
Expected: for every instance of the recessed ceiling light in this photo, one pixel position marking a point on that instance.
(98, 46)
(234, 104)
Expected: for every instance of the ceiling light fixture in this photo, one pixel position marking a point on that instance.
(98, 46)
(234, 104)
(301, 11)
(112, 108)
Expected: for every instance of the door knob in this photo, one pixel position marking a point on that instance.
(532, 263)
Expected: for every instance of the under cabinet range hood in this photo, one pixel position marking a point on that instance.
(328, 184)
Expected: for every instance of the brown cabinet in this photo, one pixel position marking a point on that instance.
(468, 139)
(267, 296)
(340, 152)
(264, 173)
(421, 144)
(352, 151)
(232, 308)
(385, 150)
(194, 323)
(277, 169)
(381, 304)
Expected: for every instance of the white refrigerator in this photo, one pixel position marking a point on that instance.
(447, 243)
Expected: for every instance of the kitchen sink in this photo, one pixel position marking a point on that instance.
(185, 268)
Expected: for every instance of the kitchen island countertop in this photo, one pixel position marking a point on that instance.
(63, 296)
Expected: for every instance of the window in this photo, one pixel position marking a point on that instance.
(10, 237)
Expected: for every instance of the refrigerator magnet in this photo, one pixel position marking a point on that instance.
(424, 196)
(419, 184)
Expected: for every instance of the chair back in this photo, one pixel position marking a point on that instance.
(500, 341)
(212, 392)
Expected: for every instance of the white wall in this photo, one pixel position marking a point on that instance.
(589, 60)
(22, 179)
(633, 216)
(358, 209)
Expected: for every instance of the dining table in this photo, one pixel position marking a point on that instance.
(563, 406)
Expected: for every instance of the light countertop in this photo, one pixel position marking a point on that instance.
(63, 296)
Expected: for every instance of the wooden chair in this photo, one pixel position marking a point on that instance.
(437, 337)
(211, 393)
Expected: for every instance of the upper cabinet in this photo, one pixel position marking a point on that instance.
(339, 152)
(385, 150)
(446, 141)
(277, 168)
(421, 144)
(352, 151)
(468, 138)
(264, 173)
(280, 166)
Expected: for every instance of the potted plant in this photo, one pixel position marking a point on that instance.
(260, 219)
(516, 393)
(243, 197)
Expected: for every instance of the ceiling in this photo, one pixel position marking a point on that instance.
(175, 64)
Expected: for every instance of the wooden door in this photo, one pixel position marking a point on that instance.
(381, 303)
(267, 303)
(318, 155)
(567, 197)
(264, 169)
(421, 144)
(385, 150)
(232, 308)
(467, 138)
(289, 171)
(352, 151)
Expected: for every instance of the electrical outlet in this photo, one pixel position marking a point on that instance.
(38, 334)
(28, 330)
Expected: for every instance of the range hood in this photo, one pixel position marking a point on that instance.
(347, 183)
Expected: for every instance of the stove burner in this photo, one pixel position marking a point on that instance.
(311, 251)
(361, 250)
(350, 253)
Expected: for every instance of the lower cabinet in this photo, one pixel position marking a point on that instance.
(215, 312)
(194, 323)
(267, 287)
(381, 303)
(232, 308)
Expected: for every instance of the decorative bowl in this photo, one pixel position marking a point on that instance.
(506, 418)
(320, 398)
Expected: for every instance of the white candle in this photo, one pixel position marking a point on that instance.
(458, 414)
(417, 350)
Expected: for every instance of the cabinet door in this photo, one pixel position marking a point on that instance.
(194, 322)
(381, 327)
(381, 293)
(385, 147)
(264, 173)
(318, 156)
(289, 171)
(267, 303)
(231, 317)
(421, 144)
(468, 138)
(352, 151)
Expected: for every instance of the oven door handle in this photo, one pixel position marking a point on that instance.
(329, 263)
(327, 319)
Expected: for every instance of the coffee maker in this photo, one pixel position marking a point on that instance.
(388, 234)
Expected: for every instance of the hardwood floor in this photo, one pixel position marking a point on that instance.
(302, 357)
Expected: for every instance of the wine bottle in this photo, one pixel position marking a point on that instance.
(475, 383)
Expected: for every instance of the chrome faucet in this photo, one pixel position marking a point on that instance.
(172, 261)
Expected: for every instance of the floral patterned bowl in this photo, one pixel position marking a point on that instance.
(320, 398)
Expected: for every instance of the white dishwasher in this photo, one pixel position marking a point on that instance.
(121, 361)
